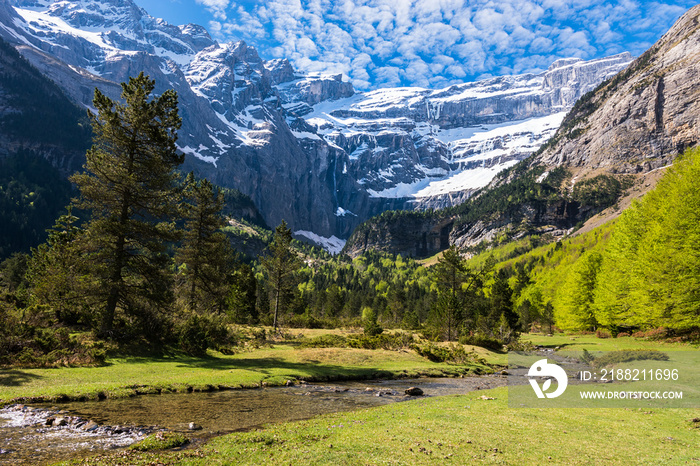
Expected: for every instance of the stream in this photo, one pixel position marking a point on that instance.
(48, 433)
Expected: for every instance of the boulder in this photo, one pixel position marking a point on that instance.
(414, 391)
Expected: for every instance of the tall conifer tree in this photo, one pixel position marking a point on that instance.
(129, 187)
(281, 265)
(205, 251)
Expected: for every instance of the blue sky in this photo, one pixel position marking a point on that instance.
(428, 43)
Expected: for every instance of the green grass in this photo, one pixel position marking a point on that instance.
(577, 342)
(457, 430)
(160, 441)
(442, 430)
(269, 366)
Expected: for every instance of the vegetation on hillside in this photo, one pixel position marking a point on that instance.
(635, 274)
(152, 262)
(32, 193)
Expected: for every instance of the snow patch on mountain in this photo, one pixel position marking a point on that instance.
(333, 245)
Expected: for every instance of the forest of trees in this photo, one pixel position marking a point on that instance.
(637, 273)
(144, 257)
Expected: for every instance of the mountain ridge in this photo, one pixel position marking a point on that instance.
(263, 128)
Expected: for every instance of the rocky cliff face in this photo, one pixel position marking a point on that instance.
(307, 149)
(642, 119)
(434, 148)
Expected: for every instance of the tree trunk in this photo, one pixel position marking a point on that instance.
(277, 306)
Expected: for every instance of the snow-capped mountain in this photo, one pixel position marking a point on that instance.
(307, 149)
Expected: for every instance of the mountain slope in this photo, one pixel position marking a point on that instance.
(636, 122)
(307, 149)
(643, 118)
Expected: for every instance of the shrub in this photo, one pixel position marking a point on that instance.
(452, 353)
(617, 357)
(325, 341)
(653, 334)
(388, 341)
(481, 340)
(193, 336)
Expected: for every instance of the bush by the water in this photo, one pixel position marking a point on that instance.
(452, 353)
(29, 343)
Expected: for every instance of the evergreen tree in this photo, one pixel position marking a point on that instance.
(456, 285)
(548, 316)
(205, 253)
(242, 295)
(281, 265)
(501, 300)
(129, 188)
(60, 277)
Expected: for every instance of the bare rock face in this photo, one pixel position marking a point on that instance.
(644, 117)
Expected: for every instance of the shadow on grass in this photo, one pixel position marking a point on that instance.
(279, 366)
(16, 378)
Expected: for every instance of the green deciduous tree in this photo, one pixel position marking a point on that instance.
(650, 274)
(578, 292)
(129, 187)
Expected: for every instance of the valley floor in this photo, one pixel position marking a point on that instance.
(477, 428)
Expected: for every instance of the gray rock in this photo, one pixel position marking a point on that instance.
(90, 426)
(643, 120)
(193, 426)
(243, 118)
(413, 391)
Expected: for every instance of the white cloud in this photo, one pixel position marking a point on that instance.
(216, 7)
(431, 42)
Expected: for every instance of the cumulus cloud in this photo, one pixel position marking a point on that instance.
(216, 7)
(440, 42)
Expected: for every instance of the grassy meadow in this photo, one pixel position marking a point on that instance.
(477, 428)
(268, 365)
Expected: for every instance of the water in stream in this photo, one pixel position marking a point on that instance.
(25, 438)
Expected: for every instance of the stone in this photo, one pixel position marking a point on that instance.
(90, 426)
(289, 383)
(193, 426)
(413, 391)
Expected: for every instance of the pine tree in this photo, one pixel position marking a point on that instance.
(58, 274)
(281, 265)
(205, 253)
(243, 295)
(456, 285)
(129, 188)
